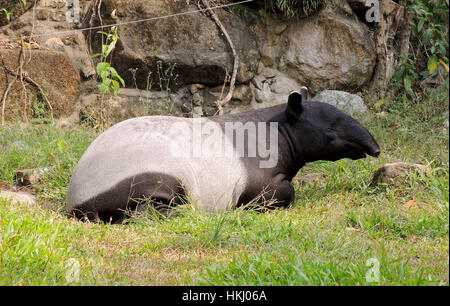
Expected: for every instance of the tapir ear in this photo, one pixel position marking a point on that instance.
(294, 107)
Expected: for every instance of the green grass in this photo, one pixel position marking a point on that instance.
(327, 237)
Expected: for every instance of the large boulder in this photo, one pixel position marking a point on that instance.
(397, 173)
(48, 16)
(329, 49)
(18, 197)
(52, 71)
(342, 100)
(192, 42)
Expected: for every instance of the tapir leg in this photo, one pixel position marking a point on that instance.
(274, 195)
(156, 189)
(282, 194)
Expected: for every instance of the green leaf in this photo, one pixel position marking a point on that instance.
(104, 50)
(113, 71)
(407, 81)
(103, 87)
(102, 67)
(8, 14)
(427, 36)
(104, 75)
(95, 55)
(121, 80)
(420, 25)
(379, 104)
(110, 48)
(398, 74)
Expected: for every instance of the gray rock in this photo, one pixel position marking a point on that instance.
(193, 42)
(18, 146)
(395, 173)
(344, 101)
(328, 50)
(311, 179)
(282, 84)
(28, 177)
(243, 94)
(18, 197)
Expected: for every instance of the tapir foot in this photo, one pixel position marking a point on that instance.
(283, 195)
(276, 196)
(158, 207)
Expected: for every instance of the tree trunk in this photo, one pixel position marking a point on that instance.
(392, 34)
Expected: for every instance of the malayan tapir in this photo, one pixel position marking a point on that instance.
(218, 162)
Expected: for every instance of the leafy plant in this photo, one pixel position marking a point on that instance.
(111, 80)
(293, 8)
(166, 79)
(429, 44)
(8, 14)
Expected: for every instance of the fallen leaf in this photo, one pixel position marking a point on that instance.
(444, 65)
(412, 203)
(415, 238)
(379, 104)
(27, 45)
(352, 229)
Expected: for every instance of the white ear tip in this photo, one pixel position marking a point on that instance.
(303, 88)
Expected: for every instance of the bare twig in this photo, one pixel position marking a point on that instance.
(101, 23)
(5, 93)
(33, 83)
(221, 102)
(20, 77)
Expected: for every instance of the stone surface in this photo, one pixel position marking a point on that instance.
(54, 43)
(344, 101)
(192, 42)
(54, 74)
(16, 9)
(395, 173)
(28, 177)
(128, 103)
(18, 197)
(77, 50)
(42, 15)
(328, 50)
(18, 146)
(311, 179)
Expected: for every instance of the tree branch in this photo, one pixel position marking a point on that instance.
(221, 102)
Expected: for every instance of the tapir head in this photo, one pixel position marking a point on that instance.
(322, 132)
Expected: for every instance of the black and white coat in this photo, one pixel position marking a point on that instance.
(155, 157)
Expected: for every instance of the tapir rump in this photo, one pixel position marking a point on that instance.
(218, 162)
